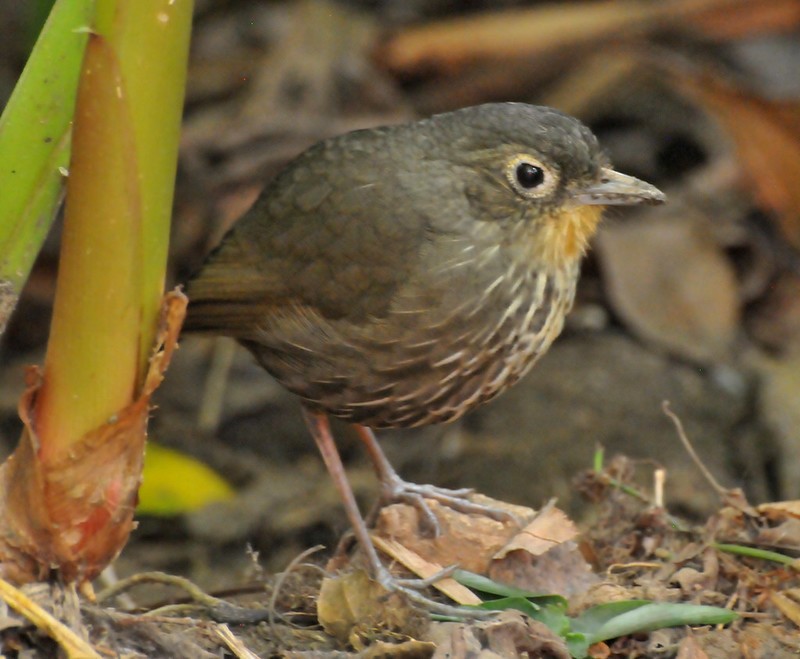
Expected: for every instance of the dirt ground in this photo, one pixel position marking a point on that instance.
(696, 303)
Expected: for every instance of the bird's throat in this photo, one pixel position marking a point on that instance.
(565, 235)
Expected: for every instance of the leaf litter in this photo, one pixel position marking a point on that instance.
(728, 151)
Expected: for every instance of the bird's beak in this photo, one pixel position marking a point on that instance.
(618, 189)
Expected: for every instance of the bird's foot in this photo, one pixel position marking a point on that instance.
(395, 489)
(411, 588)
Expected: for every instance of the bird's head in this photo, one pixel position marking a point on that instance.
(539, 173)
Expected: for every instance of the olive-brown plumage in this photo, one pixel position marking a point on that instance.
(403, 275)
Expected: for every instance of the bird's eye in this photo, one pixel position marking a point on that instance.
(529, 177)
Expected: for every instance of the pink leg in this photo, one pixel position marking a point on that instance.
(320, 429)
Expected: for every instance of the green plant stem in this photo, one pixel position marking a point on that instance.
(35, 138)
(116, 224)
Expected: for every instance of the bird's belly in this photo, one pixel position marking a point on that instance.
(432, 370)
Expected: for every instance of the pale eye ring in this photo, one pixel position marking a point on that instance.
(529, 177)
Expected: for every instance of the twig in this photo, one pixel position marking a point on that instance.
(234, 644)
(733, 497)
(218, 609)
(721, 491)
(276, 589)
(72, 644)
(108, 577)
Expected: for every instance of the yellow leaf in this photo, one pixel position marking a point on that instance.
(175, 483)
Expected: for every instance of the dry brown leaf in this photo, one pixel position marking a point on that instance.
(411, 649)
(551, 527)
(522, 33)
(786, 606)
(337, 610)
(780, 510)
(508, 636)
(671, 284)
(599, 651)
(71, 643)
(785, 534)
(468, 541)
(767, 138)
(779, 404)
(693, 581)
(775, 322)
(562, 570)
(425, 569)
(357, 610)
(689, 648)
(543, 558)
(747, 19)
(449, 44)
(81, 515)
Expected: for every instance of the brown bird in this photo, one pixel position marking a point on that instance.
(402, 276)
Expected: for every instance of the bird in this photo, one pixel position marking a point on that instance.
(403, 275)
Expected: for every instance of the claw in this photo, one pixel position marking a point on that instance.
(411, 588)
(394, 489)
(419, 584)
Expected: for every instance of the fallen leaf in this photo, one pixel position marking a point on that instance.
(780, 510)
(689, 648)
(82, 515)
(670, 283)
(451, 44)
(411, 649)
(510, 635)
(779, 407)
(784, 534)
(562, 571)
(542, 557)
(357, 610)
(767, 138)
(786, 606)
(746, 19)
(424, 569)
(468, 541)
(775, 321)
(550, 528)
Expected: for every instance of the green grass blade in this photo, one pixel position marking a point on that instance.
(755, 552)
(485, 585)
(35, 139)
(607, 621)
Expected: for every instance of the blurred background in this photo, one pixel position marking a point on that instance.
(697, 302)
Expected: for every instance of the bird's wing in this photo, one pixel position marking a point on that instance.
(334, 234)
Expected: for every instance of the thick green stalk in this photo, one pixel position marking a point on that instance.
(118, 206)
(155, 85)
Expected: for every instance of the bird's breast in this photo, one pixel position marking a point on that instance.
(440, 352)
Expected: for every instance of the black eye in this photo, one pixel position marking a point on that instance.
(529, 176)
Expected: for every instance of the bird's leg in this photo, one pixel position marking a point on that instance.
(394, 488)
(319, 426)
